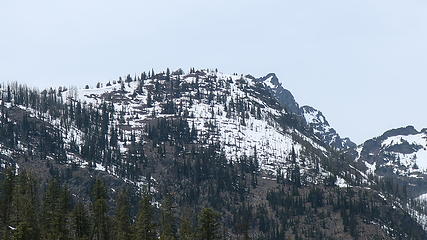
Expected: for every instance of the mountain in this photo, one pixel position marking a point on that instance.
(401, 153)
(324, 131)
(245, 115)
(239, 113)
(232, 142)
(313, 117)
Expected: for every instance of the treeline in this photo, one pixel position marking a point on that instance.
(31, 212)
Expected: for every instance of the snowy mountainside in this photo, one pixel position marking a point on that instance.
(190, 133)
(240, 113)
(234, 110)
(403, 151)
(313, 117)
(400, 152)
(324, 131)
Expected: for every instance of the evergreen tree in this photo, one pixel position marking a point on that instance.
(80, 229)
(168, 220)
(100, 218)
(25, 204)
(209, 228)
(6, 191)
(55, 209)
(186, 230)
(145, 228)
(122, 218)
(167, 74)
(295, 171)
(149, 99)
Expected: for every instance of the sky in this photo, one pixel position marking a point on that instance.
(363, 63)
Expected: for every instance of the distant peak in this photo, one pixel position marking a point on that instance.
(270, 80)
(271, 75)
(408, 130)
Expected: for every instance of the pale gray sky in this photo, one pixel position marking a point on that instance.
(363, 63)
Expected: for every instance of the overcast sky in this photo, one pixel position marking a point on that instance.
(363, 63)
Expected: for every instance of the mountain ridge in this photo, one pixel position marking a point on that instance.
(222, 140)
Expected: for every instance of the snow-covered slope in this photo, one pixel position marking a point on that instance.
(251, 117)
(324, 131)
(237, 111)
(401, 151)
(399, 154)
(248, 118)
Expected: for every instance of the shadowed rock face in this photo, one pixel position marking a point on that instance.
(324, 131)
(404, 131)
(314, 118)
(283, 95)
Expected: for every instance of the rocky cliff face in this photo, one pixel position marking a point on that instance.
(283, 95)
(324, 131)
(314, 118)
